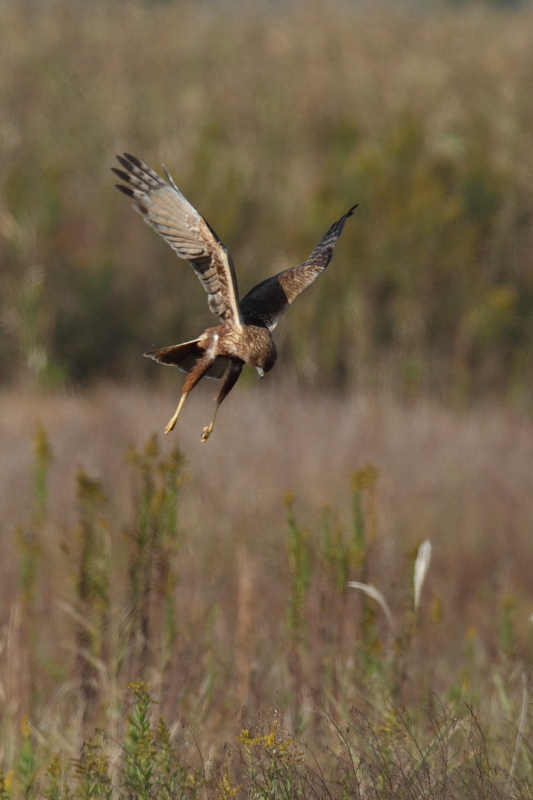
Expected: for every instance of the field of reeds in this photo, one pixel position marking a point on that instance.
(331, 598)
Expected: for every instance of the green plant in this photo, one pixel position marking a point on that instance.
(30, 543)
(300, 572)
(27, 764)
(93, 773)
(139, 749)
(154, 543)
(57, 787)
(273, 763)
(93, 593)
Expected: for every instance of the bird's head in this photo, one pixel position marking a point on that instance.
(266, 363)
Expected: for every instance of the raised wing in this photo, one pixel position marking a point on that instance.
(165, 209)
(266, 302)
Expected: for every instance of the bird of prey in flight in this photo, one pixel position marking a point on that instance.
(244, 335)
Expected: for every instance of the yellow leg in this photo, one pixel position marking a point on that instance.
(206, 433)
(172, 422)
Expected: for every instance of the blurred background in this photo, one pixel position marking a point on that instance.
(273, 120)
(400, 407)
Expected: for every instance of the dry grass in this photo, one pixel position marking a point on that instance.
(462, 480)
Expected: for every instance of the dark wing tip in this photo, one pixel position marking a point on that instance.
(124, 189)
(124, 162)
(124, 176)
(127, 161)
(132, 159)
(337, 227)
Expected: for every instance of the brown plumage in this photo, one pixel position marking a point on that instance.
(245, 333)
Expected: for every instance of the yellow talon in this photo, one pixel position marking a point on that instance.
(172, 422)
(206, 433)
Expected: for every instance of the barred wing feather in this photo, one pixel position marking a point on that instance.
(266, 302)
(165, 209)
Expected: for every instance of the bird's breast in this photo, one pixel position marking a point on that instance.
(251, 343)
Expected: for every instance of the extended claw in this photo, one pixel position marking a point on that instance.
(170, 426)
(206, 433)
(172, 422)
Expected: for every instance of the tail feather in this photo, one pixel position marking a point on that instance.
(184, 357)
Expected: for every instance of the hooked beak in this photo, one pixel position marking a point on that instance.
(260, 372)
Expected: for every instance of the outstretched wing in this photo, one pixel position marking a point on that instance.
(266, 302)
(165, 209)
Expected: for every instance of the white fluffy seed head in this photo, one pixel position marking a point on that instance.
(423, 557)
(376, 595)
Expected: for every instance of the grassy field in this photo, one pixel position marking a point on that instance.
(177, 619)
(273, 121)
(236, 610)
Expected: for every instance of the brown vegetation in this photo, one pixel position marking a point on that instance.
(253, 611)
(273, 121)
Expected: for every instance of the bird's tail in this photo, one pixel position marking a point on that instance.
(184, 356)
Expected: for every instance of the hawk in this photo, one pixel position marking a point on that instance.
(244, 335)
